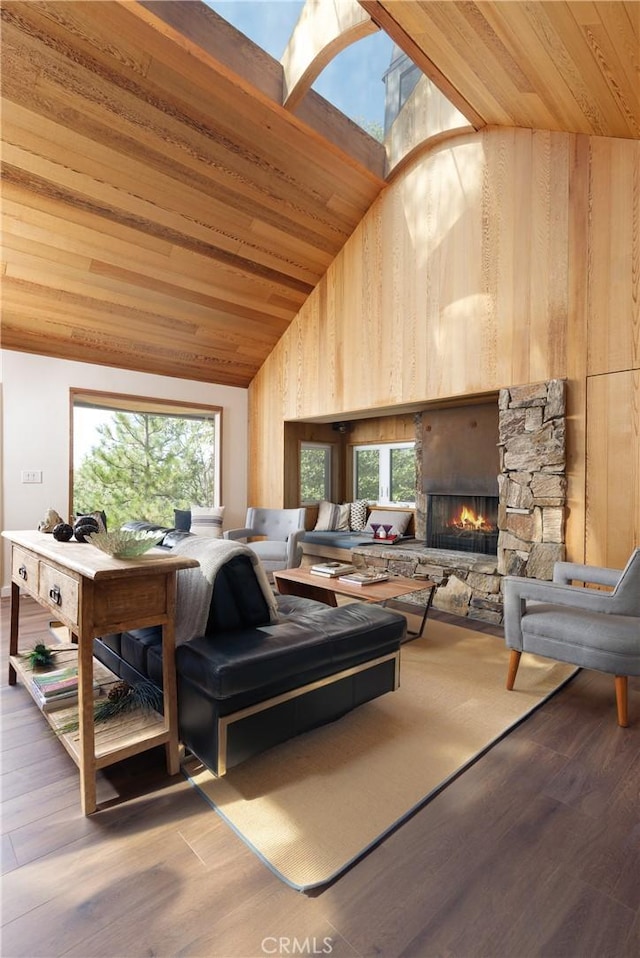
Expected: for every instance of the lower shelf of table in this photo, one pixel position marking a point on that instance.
(117, 738)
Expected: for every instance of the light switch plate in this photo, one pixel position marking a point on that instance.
(32, 475)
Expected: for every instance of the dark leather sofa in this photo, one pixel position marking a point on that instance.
(248, 683)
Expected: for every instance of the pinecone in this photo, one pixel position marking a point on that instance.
(119, 692)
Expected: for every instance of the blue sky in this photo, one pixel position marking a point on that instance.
(352, 82)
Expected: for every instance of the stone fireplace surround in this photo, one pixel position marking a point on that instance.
(531, 510)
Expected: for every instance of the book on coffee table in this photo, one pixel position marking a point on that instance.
(364, 578)
(331, 569)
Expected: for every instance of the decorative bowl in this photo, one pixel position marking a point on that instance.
(125, 544)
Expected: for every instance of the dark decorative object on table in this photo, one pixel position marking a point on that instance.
(84, 526)
(62, 532)
(40, 656)
(99, 515)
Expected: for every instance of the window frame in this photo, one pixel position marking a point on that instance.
(125, 402)
(384, 469)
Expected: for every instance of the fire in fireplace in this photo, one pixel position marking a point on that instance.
(463, 523)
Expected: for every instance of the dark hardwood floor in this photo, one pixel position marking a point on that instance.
(533, 851)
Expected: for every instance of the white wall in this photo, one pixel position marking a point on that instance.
(35, 433)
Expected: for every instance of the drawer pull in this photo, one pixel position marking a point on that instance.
(22, 572)
(55, 595)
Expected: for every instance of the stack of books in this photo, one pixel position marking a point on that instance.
(364, 578)
(331, 569)
(58, 689)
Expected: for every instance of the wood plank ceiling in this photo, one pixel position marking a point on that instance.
(163, 212)
(160, 213)
(551, 65)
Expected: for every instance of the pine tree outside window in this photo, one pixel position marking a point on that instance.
(139, 458)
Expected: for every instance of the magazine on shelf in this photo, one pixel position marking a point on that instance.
(58, 689)
(364, 578)
(331, 569)
(61, 701)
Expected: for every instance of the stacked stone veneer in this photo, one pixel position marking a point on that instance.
(531, 512)
(532, 485)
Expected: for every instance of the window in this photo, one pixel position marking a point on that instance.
(315, 471)
(139, 458)
(385, 473)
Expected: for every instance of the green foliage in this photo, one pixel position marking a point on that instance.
(313, 468)
(372, 127)
(403, 475)
(367, 474)
(121, 699)
(40, 656)
(146, 465)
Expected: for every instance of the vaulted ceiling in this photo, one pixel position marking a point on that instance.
(163, 212)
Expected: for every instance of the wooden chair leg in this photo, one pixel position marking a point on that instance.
(514, 662)
(622, 704)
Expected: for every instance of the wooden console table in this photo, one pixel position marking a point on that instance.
(94, 594)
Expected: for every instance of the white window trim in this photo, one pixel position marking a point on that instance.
(384, 469)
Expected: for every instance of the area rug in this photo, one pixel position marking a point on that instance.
(312, 806)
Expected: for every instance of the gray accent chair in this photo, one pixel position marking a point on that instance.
(591, 628)
(279, 533)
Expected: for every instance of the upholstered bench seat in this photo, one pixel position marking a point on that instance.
(277, 658)
(263, 668)
(337, 540)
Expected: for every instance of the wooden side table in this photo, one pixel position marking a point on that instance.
(94, 594)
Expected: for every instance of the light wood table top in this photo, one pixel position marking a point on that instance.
(309, 585)
(394, 587)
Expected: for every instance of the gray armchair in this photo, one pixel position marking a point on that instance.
(590, 628)
(280, 532)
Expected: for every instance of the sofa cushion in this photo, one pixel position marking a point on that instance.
(588, 639)
(319, 643)
(339, 540)
(237, 601)
(173, 537)
(135, 645)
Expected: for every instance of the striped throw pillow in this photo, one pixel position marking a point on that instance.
(332, 516)
(207, 521)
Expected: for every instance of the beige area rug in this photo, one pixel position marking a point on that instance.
(312, 806)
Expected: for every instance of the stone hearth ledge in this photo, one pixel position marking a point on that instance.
(468, 582)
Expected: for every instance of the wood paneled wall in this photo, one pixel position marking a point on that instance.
(613, 467)
(500, 258)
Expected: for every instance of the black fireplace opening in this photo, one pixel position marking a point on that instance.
(463, 523)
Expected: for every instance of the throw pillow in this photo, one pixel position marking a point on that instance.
(397, 520)
(182, 519)
(207, 521)
(358, 515)
(332, 516)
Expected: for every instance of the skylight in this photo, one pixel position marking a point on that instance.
(352, 82)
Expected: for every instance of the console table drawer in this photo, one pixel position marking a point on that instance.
(59, 591)
(24, 570)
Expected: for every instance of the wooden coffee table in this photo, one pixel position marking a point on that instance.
(304, 583)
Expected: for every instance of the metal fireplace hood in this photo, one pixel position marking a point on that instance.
(460, 450)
